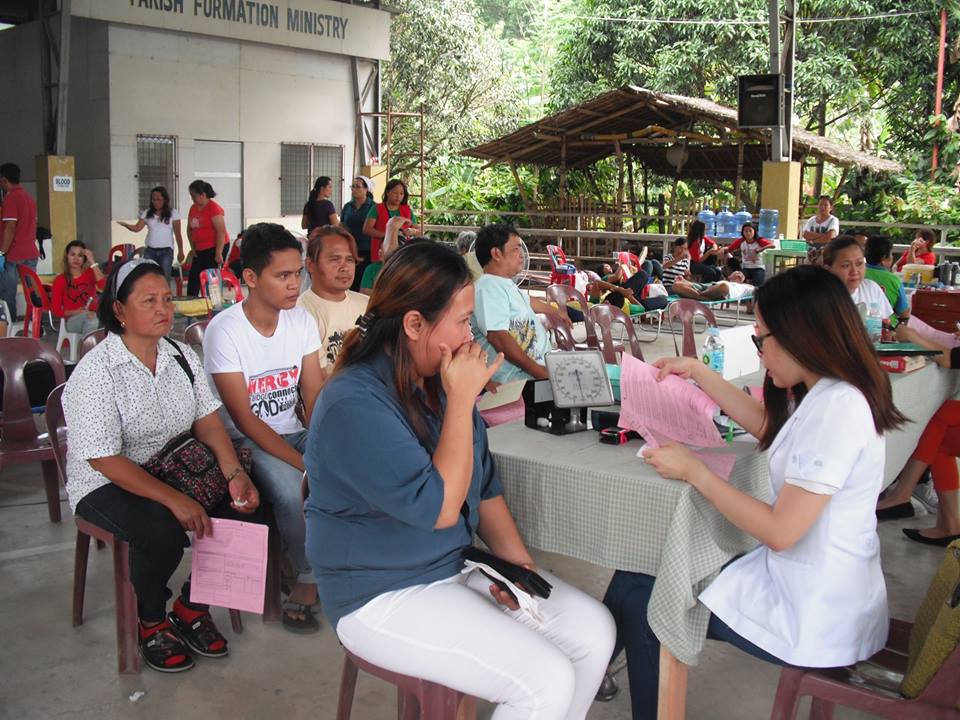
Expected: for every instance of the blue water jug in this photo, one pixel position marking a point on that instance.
(769, 224)
(741, 219)
(708, 218)
(725, 223)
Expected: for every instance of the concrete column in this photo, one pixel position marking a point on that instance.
(780, 190)
(57, 201)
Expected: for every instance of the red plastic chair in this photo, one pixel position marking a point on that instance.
(128, 656)
(37, 297)
(561, 270)
(560, 331)
(121, 253)
(606, 316)
(563, 294)
(19, 440)
(686, 310)
(416, 698)
(227, 277)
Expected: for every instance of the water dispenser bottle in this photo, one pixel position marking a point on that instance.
(708, 218)
(725, 223)
(741, 219)
(769, 224)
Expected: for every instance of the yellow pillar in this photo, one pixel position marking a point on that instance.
(780, 190)
(57, 201)
(377, 173)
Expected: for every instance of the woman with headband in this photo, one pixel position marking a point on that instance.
(128, 397)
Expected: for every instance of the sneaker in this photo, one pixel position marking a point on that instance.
(925, 494)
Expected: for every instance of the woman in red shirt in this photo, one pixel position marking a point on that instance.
(206, 232)
(75, 289)
(705, 254)
(920, 251)
(394, 205)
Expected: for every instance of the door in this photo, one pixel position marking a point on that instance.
(220, 163)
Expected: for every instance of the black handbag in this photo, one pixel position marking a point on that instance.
(187, 465)
(517, 574)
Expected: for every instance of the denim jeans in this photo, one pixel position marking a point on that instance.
(156, 540)
(162, 257)
(82, 324)
(10, 280)
(708, 273)
(627, 598)
(653, 268)
(279, 484)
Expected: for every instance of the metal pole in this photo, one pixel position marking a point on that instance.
(938, 99)
(776, 144)
(789, 53)
(63, 77)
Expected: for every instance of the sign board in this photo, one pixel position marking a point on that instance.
(62, 183)
(320, 25)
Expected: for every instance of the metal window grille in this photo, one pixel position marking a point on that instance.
(300, 165)
(156, 165)
(295, 180)
(328, 160)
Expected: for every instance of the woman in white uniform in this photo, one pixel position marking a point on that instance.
(812, 594)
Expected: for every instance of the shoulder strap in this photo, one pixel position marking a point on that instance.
(182, 360)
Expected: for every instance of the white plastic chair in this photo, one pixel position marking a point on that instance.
(12, 327)
(63, 335)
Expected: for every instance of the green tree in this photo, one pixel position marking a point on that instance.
(444, 60)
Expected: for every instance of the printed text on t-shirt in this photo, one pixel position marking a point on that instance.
(273, 392)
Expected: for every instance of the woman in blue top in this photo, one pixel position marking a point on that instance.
(400, 480)
(353, 216)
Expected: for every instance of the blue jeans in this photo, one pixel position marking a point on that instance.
(279, 484)
(162, 257)
(627, 598)
(653, 268)
(9, 280)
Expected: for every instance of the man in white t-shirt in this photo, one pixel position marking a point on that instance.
(261, 355)
(504, 318)
(821, 229)
(332, 262)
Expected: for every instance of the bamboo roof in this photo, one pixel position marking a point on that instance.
(646, 124)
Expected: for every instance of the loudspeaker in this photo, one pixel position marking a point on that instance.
(759, 101)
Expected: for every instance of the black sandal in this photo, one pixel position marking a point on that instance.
(163, 650)
(200, 634)
(306, 625)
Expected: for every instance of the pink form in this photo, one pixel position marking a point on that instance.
(671, 409)
(230, 566)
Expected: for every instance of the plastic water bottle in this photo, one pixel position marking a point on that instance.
(215, 292)
(741, 219)
(725, 223)
(708, 218)
(712, 355)
(769, 224)
(874, 322)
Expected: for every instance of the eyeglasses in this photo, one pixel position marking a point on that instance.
(758, 341)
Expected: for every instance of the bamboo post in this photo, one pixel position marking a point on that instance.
(516, 178)
(423, 187)
(389, 152)
(633, 193)
(736, 189)
(563, 177)
(618, 222)
(646, 198)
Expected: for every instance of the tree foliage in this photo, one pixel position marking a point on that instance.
(443, 59)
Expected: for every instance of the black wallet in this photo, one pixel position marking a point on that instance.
(525, 579)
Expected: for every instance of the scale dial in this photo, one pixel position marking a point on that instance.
(578, 379)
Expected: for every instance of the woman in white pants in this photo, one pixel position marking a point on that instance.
(400, 480)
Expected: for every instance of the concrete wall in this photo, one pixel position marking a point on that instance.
(205, 88)
(21, 110)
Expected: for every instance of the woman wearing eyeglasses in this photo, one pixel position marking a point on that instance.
(812, 594)
(353, 217)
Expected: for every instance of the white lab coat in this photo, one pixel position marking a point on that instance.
(823, 602)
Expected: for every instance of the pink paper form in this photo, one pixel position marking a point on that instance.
(672, 409)
(230, 566)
